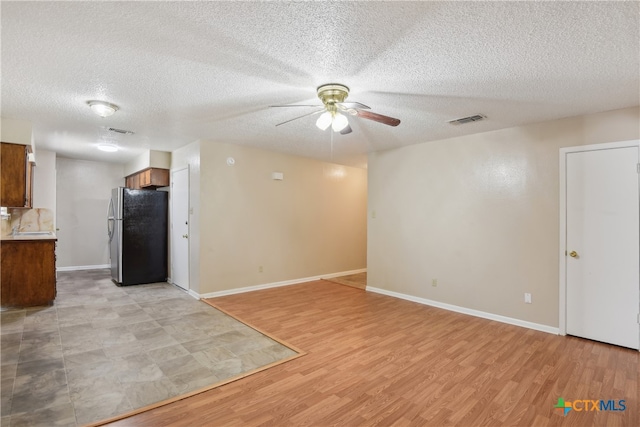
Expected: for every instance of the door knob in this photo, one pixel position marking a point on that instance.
(573, 254)
(186, 236)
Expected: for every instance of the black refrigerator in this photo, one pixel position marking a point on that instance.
(137, 228)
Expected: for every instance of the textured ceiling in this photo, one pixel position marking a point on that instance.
(183, 71)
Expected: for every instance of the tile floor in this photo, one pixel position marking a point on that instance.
(103, 350)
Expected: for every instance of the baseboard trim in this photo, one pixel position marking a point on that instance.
(275, 284)
(342, 273)
(469, 311)
(83, 267)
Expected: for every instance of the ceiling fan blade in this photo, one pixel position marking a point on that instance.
(295, 105)
(346, 130)
(377, 117)
(304, 115)
(352, 104)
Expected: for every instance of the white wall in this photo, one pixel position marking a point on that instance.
(44, 182)
(82, 199)
(479, 213)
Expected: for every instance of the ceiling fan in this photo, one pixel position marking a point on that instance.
(334, 108)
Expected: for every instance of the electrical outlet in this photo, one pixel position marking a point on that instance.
(434, 282)
(260, 269)
(527, 298)
(373, 214)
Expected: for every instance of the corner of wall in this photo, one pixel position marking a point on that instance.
(256, 230)
(478, 215)
(159, 159)
(137, 164)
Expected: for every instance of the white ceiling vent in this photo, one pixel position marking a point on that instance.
(469, 119)
(122, 131)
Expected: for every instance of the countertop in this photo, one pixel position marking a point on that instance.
(29, 237)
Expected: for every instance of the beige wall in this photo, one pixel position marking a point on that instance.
(311, 223)
(189, 157)
(159, 159)
(16, 131)
(479, 213)
(82, 197)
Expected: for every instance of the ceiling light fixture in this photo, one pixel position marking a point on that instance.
(109, 148)
(102, 108)
(340, 122)
(324, 121)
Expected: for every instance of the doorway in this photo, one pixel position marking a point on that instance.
(600, 243)
(180, 228)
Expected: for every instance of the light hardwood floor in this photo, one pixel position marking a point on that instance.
(377, 360)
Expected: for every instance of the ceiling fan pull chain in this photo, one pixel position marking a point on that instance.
(331, 146)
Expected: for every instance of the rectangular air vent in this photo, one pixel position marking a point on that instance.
(122, 131)
(469, 119)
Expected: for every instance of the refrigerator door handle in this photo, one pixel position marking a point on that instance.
(110, 220)
(120, 260)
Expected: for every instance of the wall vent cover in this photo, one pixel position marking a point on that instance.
(122, 131)
(465, 120)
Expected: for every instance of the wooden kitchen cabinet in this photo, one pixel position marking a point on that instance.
(133, 181)
(150, 178)
(28, 276)
(16, 175)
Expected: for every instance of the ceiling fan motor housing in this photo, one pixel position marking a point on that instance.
(332, 93)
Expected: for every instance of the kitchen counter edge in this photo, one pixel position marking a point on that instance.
(32, 238)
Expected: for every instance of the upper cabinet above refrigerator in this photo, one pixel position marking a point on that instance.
(150, 179)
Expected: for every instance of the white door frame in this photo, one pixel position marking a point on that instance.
(188, 225)
(563, 217)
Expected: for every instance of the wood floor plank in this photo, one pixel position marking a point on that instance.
(375, 360)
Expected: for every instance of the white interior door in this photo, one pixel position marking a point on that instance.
(602, 260)
(180, 228)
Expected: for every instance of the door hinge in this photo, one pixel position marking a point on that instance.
(638, 318)
(638, 167)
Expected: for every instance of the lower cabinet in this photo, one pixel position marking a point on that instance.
(28, 273)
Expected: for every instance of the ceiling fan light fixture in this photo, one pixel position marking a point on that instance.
(340, 122)
(325, 120)
(102, 108)
(336, 110)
